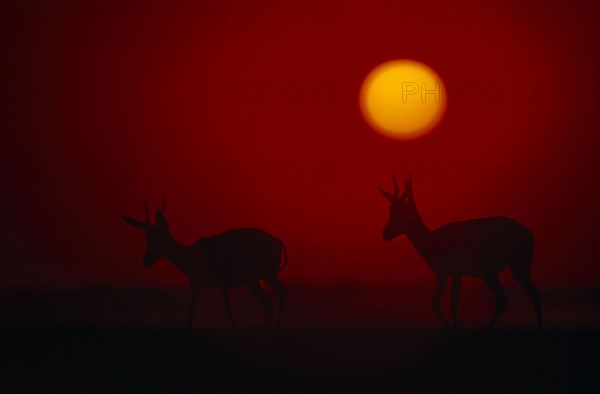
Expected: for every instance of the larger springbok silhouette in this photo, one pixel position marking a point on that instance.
(232, 259)
(474, 248)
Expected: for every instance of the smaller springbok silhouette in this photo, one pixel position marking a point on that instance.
(232, 259)
(474, 248)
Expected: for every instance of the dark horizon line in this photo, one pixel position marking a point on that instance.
(294, 284)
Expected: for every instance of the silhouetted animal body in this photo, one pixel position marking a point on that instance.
(474, 248)
(240, 257)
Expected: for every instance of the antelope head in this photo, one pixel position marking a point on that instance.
(402, 209)
(157, 234)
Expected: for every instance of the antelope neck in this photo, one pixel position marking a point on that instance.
(175, 252)
(418, 233)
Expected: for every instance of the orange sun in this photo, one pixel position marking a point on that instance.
(403, 99)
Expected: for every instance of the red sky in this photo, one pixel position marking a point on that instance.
(246, 114)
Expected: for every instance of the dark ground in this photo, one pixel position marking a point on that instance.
(342, 338)
(80, 359)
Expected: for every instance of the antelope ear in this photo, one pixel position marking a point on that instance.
(389, 196)
(134, 223)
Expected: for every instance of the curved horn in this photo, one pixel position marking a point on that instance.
(396, 191)
(164, 205)
(408, 188)
(146, 211)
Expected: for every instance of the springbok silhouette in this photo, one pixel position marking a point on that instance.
(232, 259)
(474, 248)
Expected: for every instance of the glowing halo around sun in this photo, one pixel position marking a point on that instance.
(403, 99)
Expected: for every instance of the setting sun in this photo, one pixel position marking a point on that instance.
(403, 99)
